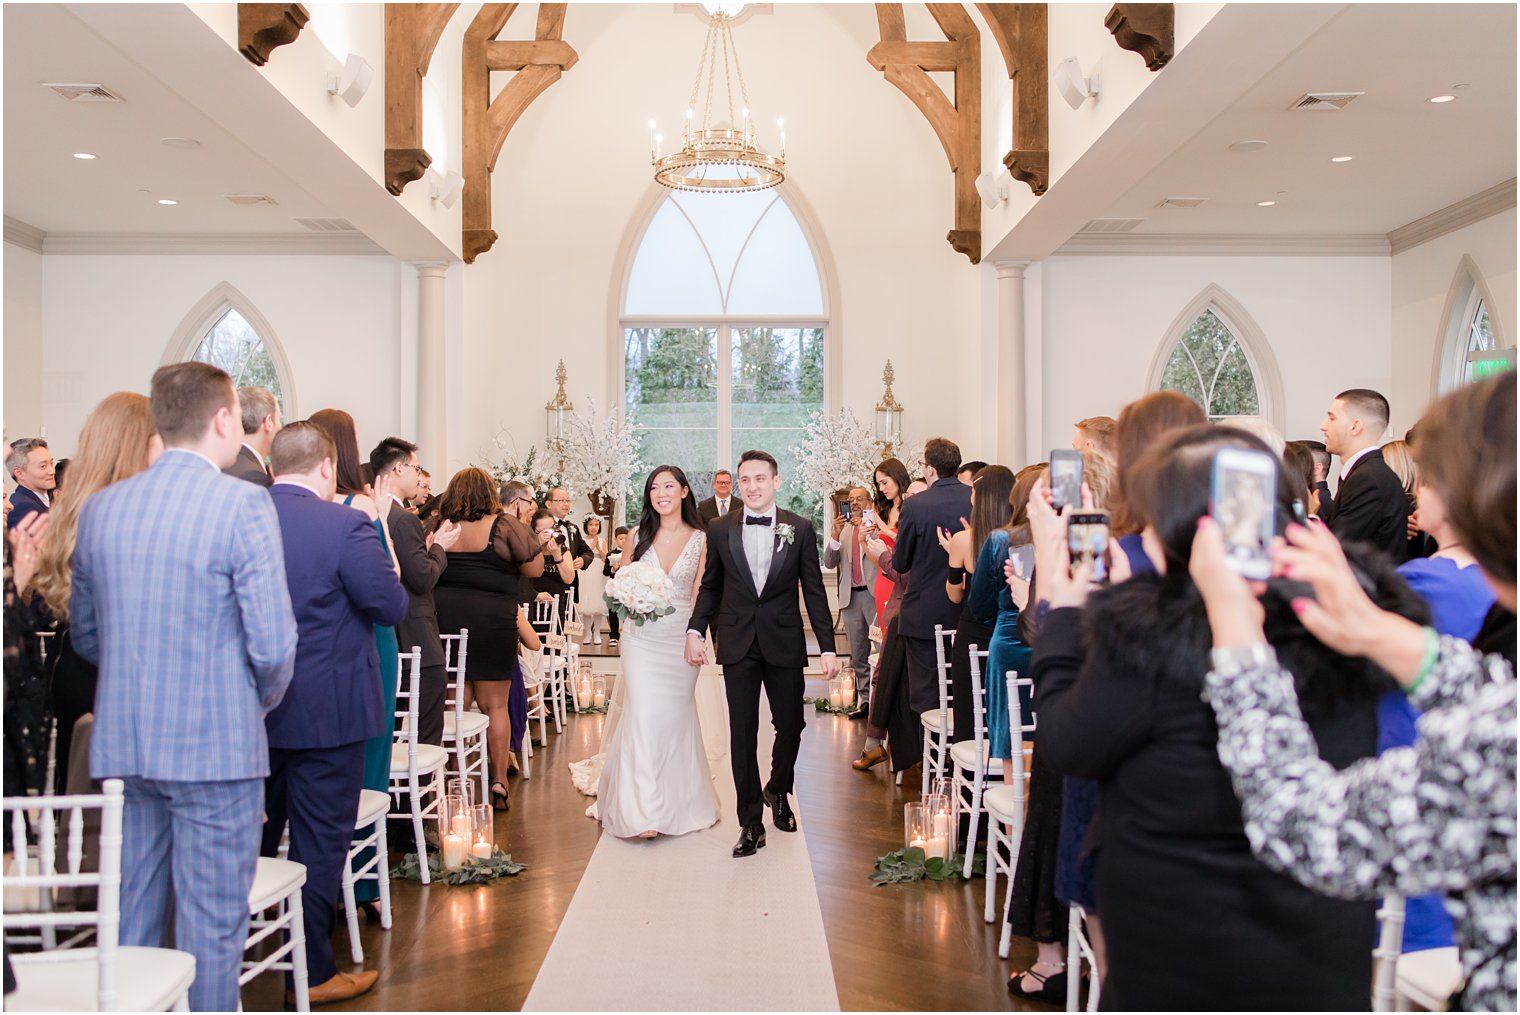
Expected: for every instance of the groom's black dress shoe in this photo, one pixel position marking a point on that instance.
(750, 839)
(784, 819)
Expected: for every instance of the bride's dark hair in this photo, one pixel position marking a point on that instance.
(649, 521)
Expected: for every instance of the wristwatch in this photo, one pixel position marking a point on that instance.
(1237, 659)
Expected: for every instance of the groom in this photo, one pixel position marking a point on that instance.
(755, 560)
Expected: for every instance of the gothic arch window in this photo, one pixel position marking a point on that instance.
(1216, 355)
(1473, 346)
(725, 323)
(227, 331)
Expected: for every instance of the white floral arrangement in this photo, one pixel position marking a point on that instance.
(639, 592)
(505, 466)
(601, 453)
(836, 451)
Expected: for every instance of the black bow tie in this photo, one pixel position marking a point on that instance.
(757, 520)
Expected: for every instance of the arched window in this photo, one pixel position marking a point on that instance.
(227, 331)
(1216, 355)
(1473, 347)
(724, 322)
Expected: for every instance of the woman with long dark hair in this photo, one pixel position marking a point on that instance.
(655, 779)
(892, 484)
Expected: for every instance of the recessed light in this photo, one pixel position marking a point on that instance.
(165, 200)
(1265, 204)
(1341, 158)
(1248, 146)
(179, 142)
(83, 155)
(1438, 99)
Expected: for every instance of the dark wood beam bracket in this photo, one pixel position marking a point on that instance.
(411, 36)
(264, 27)
(958, 125)
(1022, 34)
(1147, 29)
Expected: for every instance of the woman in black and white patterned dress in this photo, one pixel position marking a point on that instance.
(1438, 816)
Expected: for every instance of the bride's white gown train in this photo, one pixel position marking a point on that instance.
(655, 775)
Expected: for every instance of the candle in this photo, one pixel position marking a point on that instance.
(598, 699)
(482, 850)
(453, 851)
(917, 843)
(834, 699)
(583, 693)
(847, 692)
(461, 826)
(938, 846)
(942, 825)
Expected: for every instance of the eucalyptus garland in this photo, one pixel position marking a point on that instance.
(472, 871)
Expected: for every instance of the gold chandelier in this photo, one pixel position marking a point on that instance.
(722, 159)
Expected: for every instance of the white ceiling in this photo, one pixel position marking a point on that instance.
(1410, 158)
(117, 192)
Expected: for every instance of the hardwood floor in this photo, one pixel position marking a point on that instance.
(919, 946)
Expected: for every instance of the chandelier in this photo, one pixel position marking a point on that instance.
(724, 158)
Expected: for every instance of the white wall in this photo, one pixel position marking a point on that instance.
(1327, 320)
(109, 321)
(1423, 277)
(23, 342)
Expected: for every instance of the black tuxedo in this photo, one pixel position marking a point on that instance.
(919, 556)
(1370, 506)
(760, 644)
(421, 567)
(708, 509)
(247, 466)
(573, 543)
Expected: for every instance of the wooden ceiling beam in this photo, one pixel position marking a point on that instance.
(411, 35)
(1147, 29)
(958, 123)
(1022, 34)
(488, 121)
(264, 27)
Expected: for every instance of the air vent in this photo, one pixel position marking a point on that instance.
(1327, 101)
(1111, 226)
(1180, 202)
(246, 199)
(328, 225)
(84, 92)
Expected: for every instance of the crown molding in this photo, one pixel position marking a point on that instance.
(1465, 212)
(1223, 245)
(209, 243)
(23, 234)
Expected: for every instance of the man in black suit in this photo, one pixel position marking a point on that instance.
(919, 554)
(1370, 505)
(30, 464)
(261, 421)
(568, 535)
(422, 559)
(722, 501)
(755, 562)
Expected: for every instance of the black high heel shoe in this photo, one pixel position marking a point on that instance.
(499, 798)
(371, 913)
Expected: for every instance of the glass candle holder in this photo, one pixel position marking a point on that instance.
(915, 830)
(483, 837)
(598, 692)
(836, 693)
(936, 820)
(847, 690)
(584, 692)
(455, 829)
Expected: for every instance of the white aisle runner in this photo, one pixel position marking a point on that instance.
(677, 924)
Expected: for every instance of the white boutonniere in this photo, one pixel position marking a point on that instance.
(785, 534)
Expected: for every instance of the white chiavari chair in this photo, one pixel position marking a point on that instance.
(373, 807)
(1005, 811)
(464, 730)
(1078, 950)
(417, 769)
(1406, 981)
(107, 976)
(971, 761)
(277, 885)
(938, 723)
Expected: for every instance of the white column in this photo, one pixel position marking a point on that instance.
(1012, 382)
(432, 420)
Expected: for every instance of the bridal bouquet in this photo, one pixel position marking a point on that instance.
(639, 592)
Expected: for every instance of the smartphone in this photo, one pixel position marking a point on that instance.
(1023, 562)
(1243, 500)
(844, 510)
(1087, 540)
(868, 517)
(1066, 478)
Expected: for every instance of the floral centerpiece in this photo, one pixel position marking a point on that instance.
(639, 592)
(601, 454)
(505, 466)
(836, 451)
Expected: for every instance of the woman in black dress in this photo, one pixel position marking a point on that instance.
(478, 591)
(559, 566)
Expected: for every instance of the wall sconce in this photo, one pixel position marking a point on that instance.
(556, 411)
(888, 416)
(445, 187)
(355, 80)
(1074, 88)
(993, 188)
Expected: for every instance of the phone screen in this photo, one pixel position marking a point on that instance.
(1243, 500)
(1066, 478)
(1087, 541)
(844, 510)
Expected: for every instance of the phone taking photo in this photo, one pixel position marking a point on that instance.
(1243, 500)
(1087, 542)
(1066, 478)
(844, 510)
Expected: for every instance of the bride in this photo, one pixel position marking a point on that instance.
(656, 779)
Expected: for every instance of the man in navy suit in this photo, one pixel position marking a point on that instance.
(341, 584)
(30, 464)
(925, 604)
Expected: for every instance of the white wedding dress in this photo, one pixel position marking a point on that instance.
(656, 774)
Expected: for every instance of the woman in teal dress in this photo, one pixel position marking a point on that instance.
(990, 597)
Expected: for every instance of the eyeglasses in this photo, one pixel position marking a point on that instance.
(409, 465)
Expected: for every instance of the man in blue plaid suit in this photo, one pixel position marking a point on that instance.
(179, 595)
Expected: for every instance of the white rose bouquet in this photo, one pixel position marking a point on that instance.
(640, 591)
